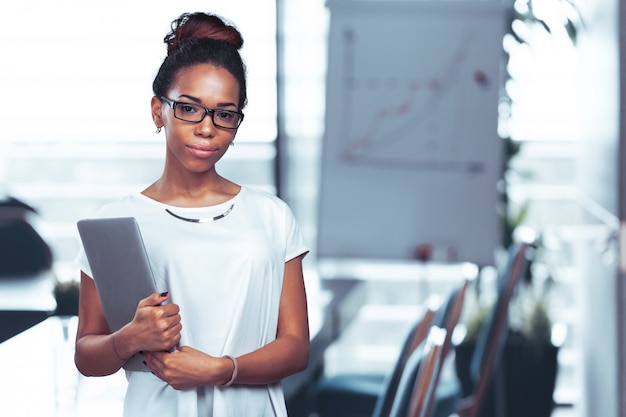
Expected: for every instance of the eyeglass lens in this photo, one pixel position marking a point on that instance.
(195, 113)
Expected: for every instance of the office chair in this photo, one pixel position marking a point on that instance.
(363, 395)
(373, 395)
(492, 336)
(448, 391)
(416, 390)
(415, 341)
(420, 392)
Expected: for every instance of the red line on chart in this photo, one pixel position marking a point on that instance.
(412, 118)
(383, 114)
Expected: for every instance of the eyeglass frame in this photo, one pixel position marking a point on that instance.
(173, 104)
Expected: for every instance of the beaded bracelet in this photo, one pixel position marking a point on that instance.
(234, 375)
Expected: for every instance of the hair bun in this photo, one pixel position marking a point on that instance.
(202, 25)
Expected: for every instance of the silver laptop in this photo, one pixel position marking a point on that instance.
(121, 270)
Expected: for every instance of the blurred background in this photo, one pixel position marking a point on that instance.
(415, 142)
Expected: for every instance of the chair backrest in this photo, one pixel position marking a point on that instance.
(417, 384)
(423, 395)
(449, 321)
(414, 339)
(427, 345)
(452, 312)
(492, 336)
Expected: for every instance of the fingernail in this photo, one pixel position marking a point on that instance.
(164, 294)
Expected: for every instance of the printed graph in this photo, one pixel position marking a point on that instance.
(416, 116)
(411, 156)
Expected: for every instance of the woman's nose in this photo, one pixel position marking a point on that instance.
(206, 127)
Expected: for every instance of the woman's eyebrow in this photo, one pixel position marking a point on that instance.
(197, 100)
(191, 98)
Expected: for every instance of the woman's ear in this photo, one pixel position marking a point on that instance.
(157, 108)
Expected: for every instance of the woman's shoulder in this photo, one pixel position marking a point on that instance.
(260, 195)
(264, 200)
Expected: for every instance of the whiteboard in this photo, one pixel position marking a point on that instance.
(411, 155)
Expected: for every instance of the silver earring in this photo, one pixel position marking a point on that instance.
(232, 143)
(158, 130)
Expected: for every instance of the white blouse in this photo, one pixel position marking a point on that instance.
(226, 275)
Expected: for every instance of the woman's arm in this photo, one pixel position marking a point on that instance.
(289, 353)
(100, 352)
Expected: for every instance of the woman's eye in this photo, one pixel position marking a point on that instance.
(224, 115)
(188, 108)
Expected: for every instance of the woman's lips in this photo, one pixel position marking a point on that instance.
(202, 151)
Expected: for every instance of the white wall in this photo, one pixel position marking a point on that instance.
(598, 176)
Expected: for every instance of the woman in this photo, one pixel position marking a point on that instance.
(233, 322)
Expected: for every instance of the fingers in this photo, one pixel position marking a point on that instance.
(170, 335)
(157, 325)
(154, 299)
(183, 368)
(170, 310)
(159, 317)
(167, 326)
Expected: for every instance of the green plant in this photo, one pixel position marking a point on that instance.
(529, 313)
(552, 15)
(557, 18)
(527, 364)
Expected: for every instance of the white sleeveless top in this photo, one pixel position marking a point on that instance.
(226, 276)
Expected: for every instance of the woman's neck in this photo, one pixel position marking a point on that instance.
(199, 191)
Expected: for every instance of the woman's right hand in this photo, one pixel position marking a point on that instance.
(155, 327)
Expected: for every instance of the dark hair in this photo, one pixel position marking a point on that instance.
(201, 38)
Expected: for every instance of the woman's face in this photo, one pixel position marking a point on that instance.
(196, 147)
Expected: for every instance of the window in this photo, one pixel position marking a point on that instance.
(87, 67)
(75, 124)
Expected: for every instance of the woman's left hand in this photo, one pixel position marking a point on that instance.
(186, 368)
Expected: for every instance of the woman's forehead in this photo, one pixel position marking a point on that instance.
(206, 82)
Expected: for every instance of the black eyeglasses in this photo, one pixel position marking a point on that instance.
(195, 113)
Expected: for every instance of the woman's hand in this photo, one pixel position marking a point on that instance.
(100, 352)
(155, 327)
(187, 368)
